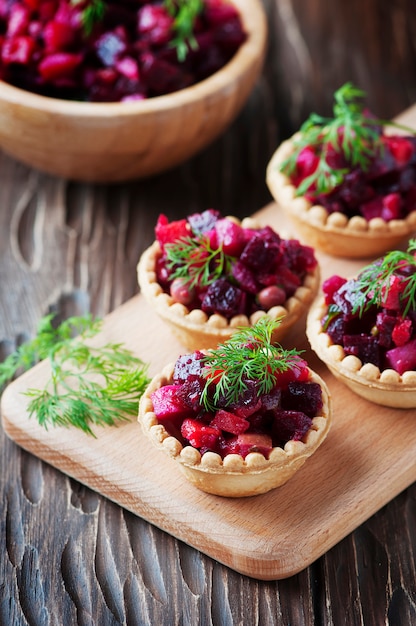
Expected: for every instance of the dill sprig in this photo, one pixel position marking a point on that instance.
(88, 385)
(374, 281)
(184, 13)
(249, 355)
(196, 261)
(92, 13)
(351, 132)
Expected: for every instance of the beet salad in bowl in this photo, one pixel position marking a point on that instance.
(105, 91)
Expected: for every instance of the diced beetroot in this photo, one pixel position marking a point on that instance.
(128, 67)
(303, 396)
(290, 425)
(330, 286)
(59, 65)
(272, 400)
(392, 207)
(247, 442)
(288, 280)
(402, 332)
(218, 12)
(299, 258)
(402, 358)
(254, 442)
(166, 403)
(230, 236)
(161, 76)
(306, 163)
(32, 4)
(58, 36)
(190, 392)
(260, 254)
(18, 22)
(223, 298)
(155, 22)
(169, 232)
(299, 372)
(401, 148)
(229, 422)
(392, 295)
(245, 277)
(18, 50)
(385, 324)
(372, 209)
(365, 347)
(199, 434)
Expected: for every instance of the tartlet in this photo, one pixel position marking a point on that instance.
(203, 329)
(372, 346)
(235, 474)
(355, 218)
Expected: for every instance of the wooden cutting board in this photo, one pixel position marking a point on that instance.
(367, 459)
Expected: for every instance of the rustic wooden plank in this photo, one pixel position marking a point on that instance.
(314, 47)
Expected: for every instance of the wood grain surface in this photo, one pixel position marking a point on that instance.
(70, 556)
(350, 477)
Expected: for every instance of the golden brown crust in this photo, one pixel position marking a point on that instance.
(194, 328)
(234, 476)
(334, 233)
(386, 387)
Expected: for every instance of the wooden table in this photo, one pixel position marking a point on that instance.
(69, 555)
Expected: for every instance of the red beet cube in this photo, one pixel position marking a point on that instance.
(229, 422)
(290, 425)
(402, 358)
(59, 65)
(199, 434)
(402, 332)
(330, 286)
(18, 50)
(170, 232)
(248, 442)
(167, 404)
(230, 236)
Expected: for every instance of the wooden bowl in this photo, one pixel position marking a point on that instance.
(110, 142)
(233, 476)
(334, 233)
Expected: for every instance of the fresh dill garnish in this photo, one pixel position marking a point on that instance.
(92, 13)
(184, 13)
(374, 282)
(351, 132)
(249, 355)
(88, 385)
(196, 261)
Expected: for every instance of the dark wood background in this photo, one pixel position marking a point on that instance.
(68, 555)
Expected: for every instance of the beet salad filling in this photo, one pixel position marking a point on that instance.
(214, 264)
(93, 50)
(373, 316)
(245, 396)
(350, 165)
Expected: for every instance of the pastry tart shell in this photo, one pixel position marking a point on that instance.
(386, 387)
(334, 233)
(234, 476)
(195, 329)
